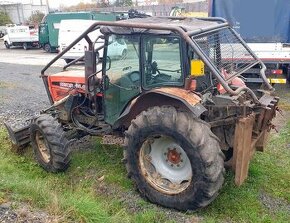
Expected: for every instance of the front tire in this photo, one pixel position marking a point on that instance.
(25, 46)
(47, 48)
(174, 159)
(7, 45)
(49, 143)
(68, 60)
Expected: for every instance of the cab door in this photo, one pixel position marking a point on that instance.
(122, 79)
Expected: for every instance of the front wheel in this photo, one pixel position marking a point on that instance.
(49, 143)
(68, 60)
(25, 46)
(174, 158)
(7, 45)
(47, 48)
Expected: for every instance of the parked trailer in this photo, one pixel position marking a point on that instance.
(266, 31)
(24, 36)
(49, 27)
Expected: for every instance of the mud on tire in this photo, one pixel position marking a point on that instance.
(195, 139)
(49, 143)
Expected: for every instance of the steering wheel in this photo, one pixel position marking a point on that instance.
(154, 68)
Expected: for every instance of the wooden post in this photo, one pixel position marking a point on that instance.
(242, 148)
(261, 143)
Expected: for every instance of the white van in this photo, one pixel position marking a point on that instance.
(71, 29)
(24, 36)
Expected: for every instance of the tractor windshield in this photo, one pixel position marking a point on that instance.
(226, 52)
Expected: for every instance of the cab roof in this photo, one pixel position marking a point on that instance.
(188, 24)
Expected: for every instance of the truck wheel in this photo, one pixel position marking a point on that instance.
(288, 74)
(25, 46)
(49, 143)
(173, 158)
(47, 48)
(68, 60)
(7, 45)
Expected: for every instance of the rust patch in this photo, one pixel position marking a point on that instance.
(174, 92)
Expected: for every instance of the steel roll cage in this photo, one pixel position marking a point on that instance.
(186, 35)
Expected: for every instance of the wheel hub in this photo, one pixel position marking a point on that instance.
(165, 165)
(173, 156)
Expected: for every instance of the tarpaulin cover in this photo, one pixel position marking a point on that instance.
(256, 20)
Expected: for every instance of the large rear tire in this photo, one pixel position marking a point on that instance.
(174, 159)
(49, 143)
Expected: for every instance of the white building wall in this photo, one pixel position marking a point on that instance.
(19, 13)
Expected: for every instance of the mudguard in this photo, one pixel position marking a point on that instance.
(177, 97)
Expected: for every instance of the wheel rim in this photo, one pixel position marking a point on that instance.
(42, 147)
(165, 165)
(47, 48)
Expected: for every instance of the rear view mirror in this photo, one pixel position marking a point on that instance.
(108, 63)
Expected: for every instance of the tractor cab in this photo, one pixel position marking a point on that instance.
(151, 61)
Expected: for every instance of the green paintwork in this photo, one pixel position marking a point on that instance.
(49, 27)
(121, 88)
(125, 77)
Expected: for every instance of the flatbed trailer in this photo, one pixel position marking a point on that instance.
(265, 27)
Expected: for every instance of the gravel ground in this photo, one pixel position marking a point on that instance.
(22, 91)
(22, 213)
(22, 95)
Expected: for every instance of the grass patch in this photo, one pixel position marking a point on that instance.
(96, 189)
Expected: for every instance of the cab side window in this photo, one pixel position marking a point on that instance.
(162, 65)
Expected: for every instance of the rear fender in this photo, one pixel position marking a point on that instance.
(177, 97)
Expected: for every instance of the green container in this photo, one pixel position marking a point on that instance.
(49, 27)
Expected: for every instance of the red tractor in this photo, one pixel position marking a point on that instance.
(177, 99)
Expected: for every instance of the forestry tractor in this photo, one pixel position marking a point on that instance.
(177, 98)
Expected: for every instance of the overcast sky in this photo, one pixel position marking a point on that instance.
(52, 3)
(56, 3)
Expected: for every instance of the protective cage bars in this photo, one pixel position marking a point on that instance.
(189, 37)
(226, 51)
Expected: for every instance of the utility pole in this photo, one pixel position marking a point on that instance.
(47, 3)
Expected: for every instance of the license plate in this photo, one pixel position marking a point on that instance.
(277, 81)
